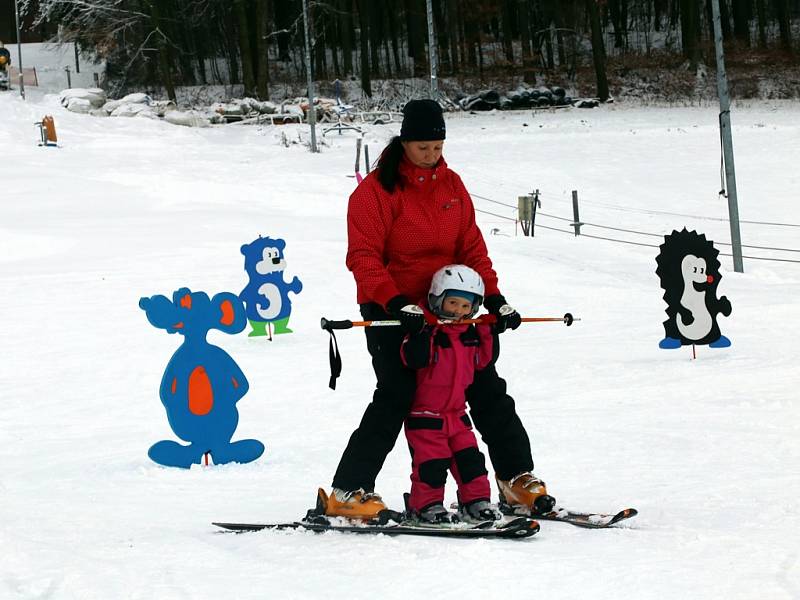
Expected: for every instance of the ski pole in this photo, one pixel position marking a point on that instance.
(329, 324)
(336, 359)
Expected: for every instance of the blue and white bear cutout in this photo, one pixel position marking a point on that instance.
(266, 296)
(689, 273)
(202, 383)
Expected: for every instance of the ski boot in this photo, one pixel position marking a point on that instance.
(479, 511)
(436, 514)
(356, 504)
(524, 494)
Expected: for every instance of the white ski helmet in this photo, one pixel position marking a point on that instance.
(459, 278)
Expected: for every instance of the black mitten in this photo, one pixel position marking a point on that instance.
(411, 316)
(507, 317)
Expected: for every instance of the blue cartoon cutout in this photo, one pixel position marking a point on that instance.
(689, 273)
(266, 295)
(202, 383)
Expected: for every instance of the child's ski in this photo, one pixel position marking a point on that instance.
(588, 520)
(517, 528)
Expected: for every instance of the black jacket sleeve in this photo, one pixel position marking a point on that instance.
(416, 349)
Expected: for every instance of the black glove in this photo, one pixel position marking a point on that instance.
(507, 317)
(411, 317)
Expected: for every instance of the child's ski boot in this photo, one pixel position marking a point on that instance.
(436, 514)
(479, 511)
(524, 494)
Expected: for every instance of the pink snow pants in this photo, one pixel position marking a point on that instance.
(438, 443)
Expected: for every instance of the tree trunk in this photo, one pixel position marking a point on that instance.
(262, 49)
(417, 32)
(725, 18)
(283, 22)
(346, 35)
(598, 50)
(784, 23)
(363, 21)
(375, 34)
(164, 53)
(620, 33)
(244, 49)
(507, 33)
(761, 11)
(398, 64)
(690, 31)
(741, 21)
(523, 14)
(558, 19)
(471, 41)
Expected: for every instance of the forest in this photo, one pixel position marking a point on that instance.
(255, 43)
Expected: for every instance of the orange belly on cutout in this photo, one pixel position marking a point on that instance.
(201, 396)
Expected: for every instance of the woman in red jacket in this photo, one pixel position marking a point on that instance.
(411, 216)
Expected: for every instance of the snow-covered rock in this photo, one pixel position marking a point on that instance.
(189, 118)
(78, 105)
(132, 110)
(95, 96)
(137, 98)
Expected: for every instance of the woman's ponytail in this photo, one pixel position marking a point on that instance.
(389, 164)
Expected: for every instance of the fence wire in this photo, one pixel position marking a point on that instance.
(645, 233)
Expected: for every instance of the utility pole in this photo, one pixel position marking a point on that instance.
(19, 52)
(727, 141)
(312, 111)
(432, 53)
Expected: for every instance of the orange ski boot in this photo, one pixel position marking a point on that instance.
(525, 494)
(356, 504)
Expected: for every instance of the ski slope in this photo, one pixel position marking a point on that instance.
(707, 450)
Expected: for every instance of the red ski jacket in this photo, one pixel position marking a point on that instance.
(397, 241)
(446, 358)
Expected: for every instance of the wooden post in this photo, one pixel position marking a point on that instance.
(524, 213)
(358, 156)
(534, 204)
(366, 157)
(69, 77)
(576, 221)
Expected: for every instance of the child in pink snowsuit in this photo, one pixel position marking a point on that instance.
(438, 429)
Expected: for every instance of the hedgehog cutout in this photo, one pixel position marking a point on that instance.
(688, 270)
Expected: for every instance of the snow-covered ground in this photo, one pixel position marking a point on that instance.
(706, 449)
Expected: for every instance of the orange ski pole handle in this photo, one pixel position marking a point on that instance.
(329, 324)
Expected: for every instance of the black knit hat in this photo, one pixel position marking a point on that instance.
(422, 121)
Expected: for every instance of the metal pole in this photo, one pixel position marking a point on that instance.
(727, 141)
(535, 203)
(432, 52)
(19, 51)
(312, 112)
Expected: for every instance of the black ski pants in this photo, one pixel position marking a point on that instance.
(491, 408)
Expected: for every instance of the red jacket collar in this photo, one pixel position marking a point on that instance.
(416, 176)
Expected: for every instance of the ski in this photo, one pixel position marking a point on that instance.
(587, 520)
(517, 528)
(565, 515)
